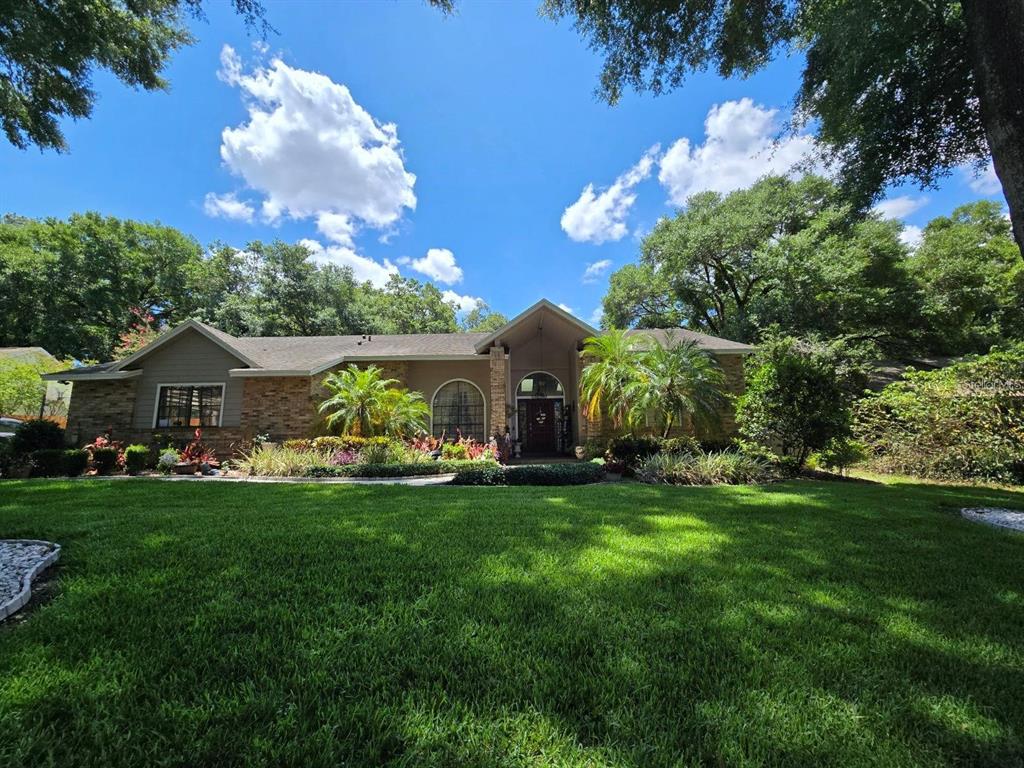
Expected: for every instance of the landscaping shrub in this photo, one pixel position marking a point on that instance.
(391, 470)
(681, 444)
(136, 457)
(74, 461)
(47, 462)
(797, 399)
(105, 459)
(962, 422)
(36, 435)
(630, 450)
(839, 454)
(383, 451)
(267, 461)
(531, 474)
(169, 456)
(720, 468)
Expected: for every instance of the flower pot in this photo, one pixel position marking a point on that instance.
(184, 468)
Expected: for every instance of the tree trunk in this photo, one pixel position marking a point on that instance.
(995, 44)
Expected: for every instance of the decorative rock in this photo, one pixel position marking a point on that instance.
(21, 560)
(1003, 518)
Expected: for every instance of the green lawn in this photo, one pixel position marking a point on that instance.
(802, 624)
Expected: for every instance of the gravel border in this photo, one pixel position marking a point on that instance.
(995, 516)
(25, 593)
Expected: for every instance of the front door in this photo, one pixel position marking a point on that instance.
(541, 430)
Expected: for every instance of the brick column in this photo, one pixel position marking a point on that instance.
(497, 393)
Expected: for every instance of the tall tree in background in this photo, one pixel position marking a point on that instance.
(896, 89)
(971, 279)
(481, 319)
(782, 252)
(49, 51)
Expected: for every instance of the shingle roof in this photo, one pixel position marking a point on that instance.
(312, 353)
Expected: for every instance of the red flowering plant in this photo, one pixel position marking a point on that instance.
(105, 454)
(197, 452)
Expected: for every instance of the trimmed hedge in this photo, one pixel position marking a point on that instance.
(58, 462)
(36, 435)
(396, 470)
(104, 460)
(531, 474)
(136, 457)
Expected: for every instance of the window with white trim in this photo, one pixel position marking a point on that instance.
(458, 409)
(189, 405)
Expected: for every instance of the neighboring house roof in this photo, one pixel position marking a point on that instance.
(306, 355)
(28, 354)
(710, 343)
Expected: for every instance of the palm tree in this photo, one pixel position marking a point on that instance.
(674, 380)
(611, 366)
(357, 398)
(402, 413)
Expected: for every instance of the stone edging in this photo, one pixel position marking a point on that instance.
(404, 480)
(19, 600)
(997, 517)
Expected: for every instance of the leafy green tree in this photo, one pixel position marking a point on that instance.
(797, 398)
(49, 51)
(71, 286)
(481, 319)
(971, 278)
(896, 89)
(781, 253)
(610, 365)
(21, 388)
(674, 381)
(405, 305)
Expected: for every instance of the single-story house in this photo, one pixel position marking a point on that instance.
(524, 375)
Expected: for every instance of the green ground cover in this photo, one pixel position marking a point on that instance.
(799, 624)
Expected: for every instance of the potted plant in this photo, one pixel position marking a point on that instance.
(196, 457)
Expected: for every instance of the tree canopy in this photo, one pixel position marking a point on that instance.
(895, 89)
(79, 287)
(781, 253)
(49, 52)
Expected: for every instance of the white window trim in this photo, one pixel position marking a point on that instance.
(156, 403)
(433, 397)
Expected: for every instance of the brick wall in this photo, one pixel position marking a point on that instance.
(496, 396)
(97, 407)
(281, 406)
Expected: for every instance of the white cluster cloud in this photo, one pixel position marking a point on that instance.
(599, 216)
(463, 304)
(311, 152)
(439, 265)
(566, 308)
(911, 236)
(985, 181)
(227, 206)
(596, 316)
(595, 270)
(900, 207)
(739, 148)
(363, 268)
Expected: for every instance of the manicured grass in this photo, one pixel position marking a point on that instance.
(801, 624)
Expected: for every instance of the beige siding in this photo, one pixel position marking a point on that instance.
(191, 358)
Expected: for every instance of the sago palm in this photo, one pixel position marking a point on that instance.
(611, 362)
(675, 380)
(402, 414)
(357, 397)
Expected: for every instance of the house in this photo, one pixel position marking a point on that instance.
(524, 376)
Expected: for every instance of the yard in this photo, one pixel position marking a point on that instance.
(799, 624)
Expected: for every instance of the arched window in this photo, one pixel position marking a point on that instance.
(540, 384)
(458, 408)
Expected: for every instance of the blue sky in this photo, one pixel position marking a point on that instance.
(525, 184)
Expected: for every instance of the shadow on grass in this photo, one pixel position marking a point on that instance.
(798, 624)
